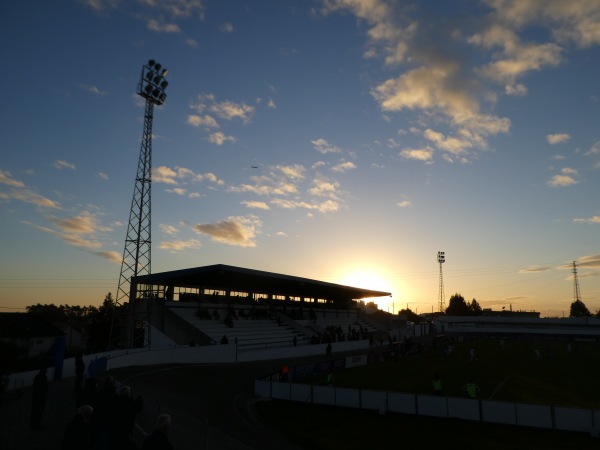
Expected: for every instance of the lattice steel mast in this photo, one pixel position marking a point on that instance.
(138, 242)
(576, 293)
(441, 258)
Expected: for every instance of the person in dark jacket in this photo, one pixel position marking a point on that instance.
(38, 399)
(78, 435)
(159, 440)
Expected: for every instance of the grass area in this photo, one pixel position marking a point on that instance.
(511, 373)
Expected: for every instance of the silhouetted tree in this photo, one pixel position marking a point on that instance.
(475, 308)
(457, 306)
(578, 309)
(410, 315)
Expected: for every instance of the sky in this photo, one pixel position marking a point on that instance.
(347, 141)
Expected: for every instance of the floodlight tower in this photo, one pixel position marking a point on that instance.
(137, 252)
(576, 293)
(441, 258)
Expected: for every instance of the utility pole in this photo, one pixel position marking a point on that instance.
(134, 329)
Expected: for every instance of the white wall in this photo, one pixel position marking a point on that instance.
(541, 416)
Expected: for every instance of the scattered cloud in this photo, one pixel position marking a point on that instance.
(536, 269)
(420, 154)
(103, 175)
(28, 196)
(178, 246)
(205, 121)
(593, 219)
(94, 90)
(162, 27)
(112, 256)
(227, 27)
(176, 191)
(220, 138)
(226, 109)
(168, 229)
(60, 164)
(6, 178)
(554, 139)
(232, 231)
(344, 167)
(565, 178)
(404, 203)
(255, 204)
(322, 146)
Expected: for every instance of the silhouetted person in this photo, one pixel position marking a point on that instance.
(328, 349)
(38, 398)
(125, 410)
(78, 435)
(88, 395)
(159, 440)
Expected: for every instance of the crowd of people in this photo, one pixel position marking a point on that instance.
(335, 333)
(105, 415)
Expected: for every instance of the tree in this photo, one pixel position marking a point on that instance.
(457, 306)
(410, 315)
(578, 309)
(475, 308)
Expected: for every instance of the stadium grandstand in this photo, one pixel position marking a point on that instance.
(252, 308)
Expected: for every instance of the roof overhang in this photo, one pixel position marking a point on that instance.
(230, 278)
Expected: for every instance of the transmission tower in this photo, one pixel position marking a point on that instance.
(576, 293)
(441, 258)
(132, 329)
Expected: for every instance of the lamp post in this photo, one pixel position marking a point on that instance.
(441, 258)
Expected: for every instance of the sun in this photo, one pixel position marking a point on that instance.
(368, 279)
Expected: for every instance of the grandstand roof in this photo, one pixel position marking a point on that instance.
(230, 278)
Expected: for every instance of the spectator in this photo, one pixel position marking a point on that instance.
(159, 440)
(78, 435)
(38, 398)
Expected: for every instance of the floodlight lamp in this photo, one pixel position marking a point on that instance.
(162, 97)
(164, 84)
(149, 75)
(157, 67)
(164, 72)
(155, 92)
(157, 79)
(148, 89)
(151, 62)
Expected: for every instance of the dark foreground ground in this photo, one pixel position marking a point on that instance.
(213, 407)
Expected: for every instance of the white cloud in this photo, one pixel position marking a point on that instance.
(557, 138)
(322, 146)
(168, 229)
(255, 204)
(178, 246)
(220, 138)
(593, 219)
(161, 27)
(6, 178)
(94, 90)
(163, 174)
(344, 167)
(232, 231)
(103, 175)
(404, 203)
(60, 164)
(176, 191)
(226, 110)
(202, 121)
(420, 154)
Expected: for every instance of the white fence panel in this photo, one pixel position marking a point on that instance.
(280, 390)
(375, 400)
(428, 405)
(498, 412)
(402, 403)
(571, 419)
(463, 408)
(534, 415)
(347, 397)
(301, 393)
(324, 395)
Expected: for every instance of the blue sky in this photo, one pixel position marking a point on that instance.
(343, 140)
